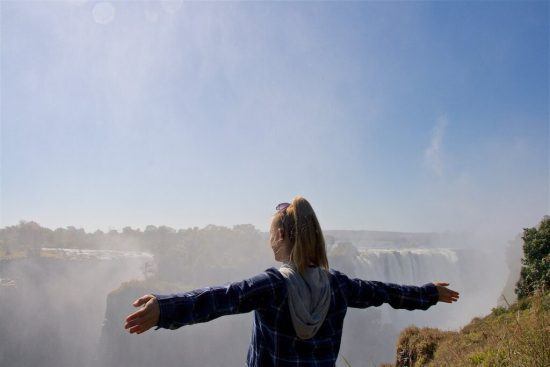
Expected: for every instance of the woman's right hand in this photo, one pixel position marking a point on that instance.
(445, 294)
(147, 317)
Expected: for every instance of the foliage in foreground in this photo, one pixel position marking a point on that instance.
(535, 273)
(514, 336)
(508, 337)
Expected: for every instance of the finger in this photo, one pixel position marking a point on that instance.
(142, 300)
(446, 292)
(134, 322)
(452, 291)
(145, 324)
(134, 329)
(143, 328)
(137, 314)
(138, 329)
(444, 284)
(452, 294)
(133, 316)
(449, 299)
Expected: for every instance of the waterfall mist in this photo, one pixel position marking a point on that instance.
(144, 146)
(70, 303)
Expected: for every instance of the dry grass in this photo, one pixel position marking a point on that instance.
(512, 337)
(417, 346)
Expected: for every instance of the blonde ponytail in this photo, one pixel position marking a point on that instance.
(306, 236)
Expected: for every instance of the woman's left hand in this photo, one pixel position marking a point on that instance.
(144, 319)
(445, 294)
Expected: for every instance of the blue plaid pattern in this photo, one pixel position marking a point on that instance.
(274, 341)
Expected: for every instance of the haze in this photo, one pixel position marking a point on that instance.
(144, 146)
(413, 117)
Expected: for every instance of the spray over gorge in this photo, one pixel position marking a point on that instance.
(144, 147)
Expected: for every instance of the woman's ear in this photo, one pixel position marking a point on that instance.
(281, 234)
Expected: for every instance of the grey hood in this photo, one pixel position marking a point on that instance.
(308, 298)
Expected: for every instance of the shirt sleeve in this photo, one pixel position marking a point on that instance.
(363, 294)
(208, 303)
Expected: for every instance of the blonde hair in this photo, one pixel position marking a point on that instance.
(306, 238)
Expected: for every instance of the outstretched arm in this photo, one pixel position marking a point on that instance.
(362, 294)
(200, 305)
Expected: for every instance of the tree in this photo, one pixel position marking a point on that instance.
(535, 272)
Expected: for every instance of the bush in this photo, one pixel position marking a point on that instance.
(535, 272)
(416, 346)
(498, 310)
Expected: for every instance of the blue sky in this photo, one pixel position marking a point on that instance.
(424, 116)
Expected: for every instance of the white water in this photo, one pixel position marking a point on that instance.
(408, 265)
(465, 270)
(87, 254)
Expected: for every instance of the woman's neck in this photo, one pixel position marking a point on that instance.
(311, 263)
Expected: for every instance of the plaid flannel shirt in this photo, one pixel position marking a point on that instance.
(274, 341)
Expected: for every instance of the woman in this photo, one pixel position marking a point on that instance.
(299, 308)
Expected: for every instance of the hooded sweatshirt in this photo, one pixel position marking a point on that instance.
(308, 298)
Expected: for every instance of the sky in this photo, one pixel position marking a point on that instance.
(418, 116)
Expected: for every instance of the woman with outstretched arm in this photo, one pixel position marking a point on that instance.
(299, 309)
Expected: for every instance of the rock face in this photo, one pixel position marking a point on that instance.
(221, 342)
(52, 308)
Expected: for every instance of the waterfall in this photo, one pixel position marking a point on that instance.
(469, 271)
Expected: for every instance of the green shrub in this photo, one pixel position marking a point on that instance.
(498, 310)
(535, 272)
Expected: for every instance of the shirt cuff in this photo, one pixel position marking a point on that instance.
(432, 293)
(166, 308)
